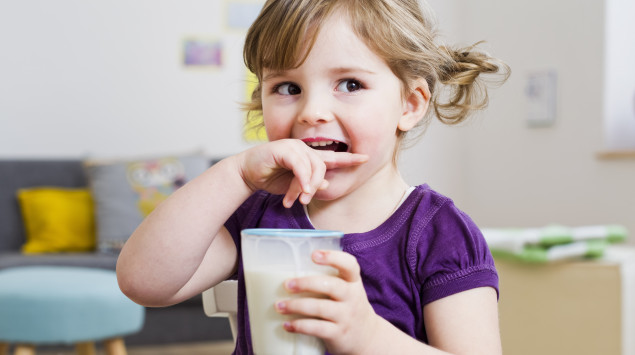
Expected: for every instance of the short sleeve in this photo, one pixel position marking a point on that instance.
(246, 215)
(453, 256)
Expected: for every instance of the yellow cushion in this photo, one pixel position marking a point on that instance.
(57, 220)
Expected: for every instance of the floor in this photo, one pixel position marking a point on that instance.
(212, 348)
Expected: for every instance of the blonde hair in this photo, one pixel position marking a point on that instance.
(399, 31)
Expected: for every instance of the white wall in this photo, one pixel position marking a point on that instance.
(516, 176)
(87, 78)
(104, 78)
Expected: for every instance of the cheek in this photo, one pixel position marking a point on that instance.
(276, 123)
(373, 131)
(372, 140)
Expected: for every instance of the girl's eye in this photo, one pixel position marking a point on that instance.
(349, 85)
(288, 89)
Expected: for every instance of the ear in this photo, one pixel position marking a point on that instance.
(415, 105)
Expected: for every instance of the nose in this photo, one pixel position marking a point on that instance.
(315, 110)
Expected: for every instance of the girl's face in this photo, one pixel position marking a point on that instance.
(343, 97)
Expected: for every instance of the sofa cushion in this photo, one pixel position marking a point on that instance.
(57, 219)
(16, 174)
(126, 191)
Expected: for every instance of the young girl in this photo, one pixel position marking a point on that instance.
(341, 83)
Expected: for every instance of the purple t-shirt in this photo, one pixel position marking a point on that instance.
(428, 249)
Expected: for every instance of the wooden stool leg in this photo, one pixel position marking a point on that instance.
(24, 349)
(4, 348)
(87, 348)
(115, 346)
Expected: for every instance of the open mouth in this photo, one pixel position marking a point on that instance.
(328, 145)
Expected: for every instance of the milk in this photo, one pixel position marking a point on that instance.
(271, 256)
(265, 288)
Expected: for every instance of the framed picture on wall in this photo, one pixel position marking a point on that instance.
(202, 53)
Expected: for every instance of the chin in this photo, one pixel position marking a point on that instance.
(329, 194)
(324, 195)
(333, 192)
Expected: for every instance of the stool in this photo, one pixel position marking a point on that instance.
(65, 305)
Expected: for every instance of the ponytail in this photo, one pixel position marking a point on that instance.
(461, 75)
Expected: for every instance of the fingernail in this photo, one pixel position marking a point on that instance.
(305, 199)
(281, 306)
(319, 256)
(288, 327)
(292, 285)
(286, 203)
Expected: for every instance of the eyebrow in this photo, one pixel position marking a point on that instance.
(273, 75)
(332, 71)
(346, 70)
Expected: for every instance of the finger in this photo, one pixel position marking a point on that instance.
(296, 159)
(306, 198)
(311, 307)
(294, 192)
(341, 159)
(344, 262)
(303, 178)
(331, 286)
(318, 169)
(315, 327)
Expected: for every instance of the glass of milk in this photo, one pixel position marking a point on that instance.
(271, 256)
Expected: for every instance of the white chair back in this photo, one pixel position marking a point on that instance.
(221, 301)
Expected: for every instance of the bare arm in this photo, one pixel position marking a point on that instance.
(465, 323)
(170, 257)
(182, 247)
(462, 324)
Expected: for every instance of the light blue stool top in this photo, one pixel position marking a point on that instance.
(56, 305)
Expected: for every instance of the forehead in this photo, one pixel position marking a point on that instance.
(282, 36)
(337, 34)
(335, 46)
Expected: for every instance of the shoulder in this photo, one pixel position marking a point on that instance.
(448, 251)
(442, 228)
(433, 210)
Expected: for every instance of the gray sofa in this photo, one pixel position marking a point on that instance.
(184, 322)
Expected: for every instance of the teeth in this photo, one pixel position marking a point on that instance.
(320, 143)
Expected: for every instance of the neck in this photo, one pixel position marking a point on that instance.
(363, 209)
